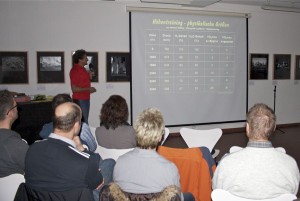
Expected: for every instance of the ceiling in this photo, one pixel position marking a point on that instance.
(283, 5)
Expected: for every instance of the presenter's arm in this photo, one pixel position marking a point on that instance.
(81, 89)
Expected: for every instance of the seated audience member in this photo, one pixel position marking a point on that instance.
(60, 162)
(114, 131)
(85, 133)
(12, 148)
(258, 171)
(143, 170)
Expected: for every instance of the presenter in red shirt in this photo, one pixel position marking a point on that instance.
(81, 83)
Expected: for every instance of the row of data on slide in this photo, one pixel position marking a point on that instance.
(189, 72)
(180, 49)
(189, 38)
(190, 81)
(189, 57)
(215, 88)
(187, 65)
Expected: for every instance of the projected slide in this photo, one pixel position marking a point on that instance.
(193, 68)
(189, 59)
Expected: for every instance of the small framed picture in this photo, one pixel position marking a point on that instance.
(50, 67)
(282, 67)
(13, 68)
(259, 66)
(118, 67)
(92, 65)
(297, 67)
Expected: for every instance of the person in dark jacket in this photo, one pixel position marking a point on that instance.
(60, 163)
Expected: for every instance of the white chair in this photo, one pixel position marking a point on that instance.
(111, 153)
(198, 138)
(9, 186)
(223, 195)
(166, 134)
(237, 148)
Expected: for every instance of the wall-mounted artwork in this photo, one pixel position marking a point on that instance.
(92, 65)
(50, 67)
(282, 67)
(259, 66)
(118, 67)
(297, 67)
(13, 68)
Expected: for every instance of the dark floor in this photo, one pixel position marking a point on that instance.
(286, 137)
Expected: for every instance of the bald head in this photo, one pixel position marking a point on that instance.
(65, 116)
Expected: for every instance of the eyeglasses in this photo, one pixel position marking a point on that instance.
(11, 109)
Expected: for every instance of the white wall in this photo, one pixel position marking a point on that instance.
(103, 26)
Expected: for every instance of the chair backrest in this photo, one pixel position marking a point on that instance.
(166, 134)
(9, 186)
(198, 138)
(221, 195)
(195, 169)
(26, 193)
(237, 148)
(111, 153)
(113, 192)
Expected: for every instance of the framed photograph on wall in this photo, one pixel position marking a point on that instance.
(118, 67)
(13, 68)
(50, 67)
(282, 67)
(259, 66)
(92, 65)
(297, 67)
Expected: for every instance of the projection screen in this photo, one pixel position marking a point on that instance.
(192, 68)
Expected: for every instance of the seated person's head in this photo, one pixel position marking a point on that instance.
(261, 122)
(114, 112)
(59, 99)
(149, 128)
(67, 117)
(6, 103)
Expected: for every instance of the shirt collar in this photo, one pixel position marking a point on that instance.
(64, 139)
(260, 144)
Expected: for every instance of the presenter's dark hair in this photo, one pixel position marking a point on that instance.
(114, 112)
(6, 102)
(79, 54)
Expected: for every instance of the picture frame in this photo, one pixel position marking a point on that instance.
(50, 67)
(297, 67)
(282, 67)
(13, 68)
(92, 65)
(259, 64)
(118, 67)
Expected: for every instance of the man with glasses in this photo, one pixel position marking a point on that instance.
(12, 148)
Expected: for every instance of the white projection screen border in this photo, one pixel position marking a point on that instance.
(192, 67)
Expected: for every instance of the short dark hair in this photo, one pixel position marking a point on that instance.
(59, 99)
(6, 102)
(65, 123)
(114, 112)
(79, 54)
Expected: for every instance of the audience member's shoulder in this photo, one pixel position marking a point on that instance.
(10, 135)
